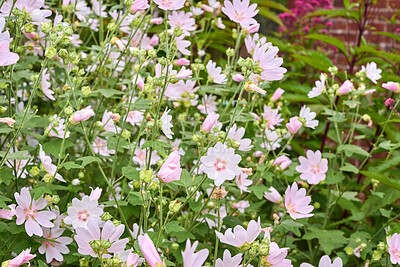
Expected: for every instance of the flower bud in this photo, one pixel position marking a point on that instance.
(106, 216)
(83, 262)
(63, 53)
(126, 134)
(68, 31)
(46, 27)
(56, 199)
(376, 256)
(29, 28)
(47, 178)
(34, 171)
(51, 52)
(146, 175)
(349, 251)
(68, 111)
(86, 91)
(116, 223)
(174, 206)
(175, 246)
(230, 52)
(75, 182)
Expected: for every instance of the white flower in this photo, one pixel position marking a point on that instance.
(83, 211)
(325, 261)
(221, 163)
(237, 135)
(372, 72)
(215, 73)
(308, 117)
(228, 260)
(192, 259)
(239, 236)
(272, 140)
(319, 87)
(166, 124)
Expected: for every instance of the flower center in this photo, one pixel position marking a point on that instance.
(220, 165)
(239, 16)
(83, 215)
(315, 169)
(291, 208)
(29, 213)
(396, 254)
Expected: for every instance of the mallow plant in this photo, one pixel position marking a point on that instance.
(128, 139)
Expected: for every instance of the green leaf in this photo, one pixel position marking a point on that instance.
(391, 35)
(292, 226)
(186, 179)
(157, 146)
(3, 201)
(18, 155)
(349, 168)
(270, 15)
(349, 150)
(142, 104)
(131, 173)
(258, 190)
(333, 177)
(54, 147)
(6, 175)
(89, 159)
(352, 103)
(328, 239)
(71, 165)
(173, 227)
(40, 191)
(135, 199)
(329, 40)
(382, 178)
(107, 93)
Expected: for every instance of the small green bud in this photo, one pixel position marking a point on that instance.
(51, 52)
(230, 52)
(81, 175)
(381, 246)
(55, 199)
(349, 251)
(153, 185)
(146, 176)
(175, 246)
(376, 256)
(46, 27)
(135, 51)
(152, 53)
(317, 205)
(59, 27)
(47, 178)
(106, 216)
(178, 32)
(126, 134)
(68, 111)
(174, 206)
(86, 91)
(34, 171)
(63, 53)
(68, 31)
(135, 184)
(83, 262)
(116, 222)
(264, 249)
(29, 28)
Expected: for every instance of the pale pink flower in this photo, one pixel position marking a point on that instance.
(166, 124)
(182, 90)
(54, 244)
(254, 41)
(182, 44)
(182, 62)
(96, 193)
(33, 7)
(253, 28)
(312, 168)
(156, 21)
(100, 147)
(239, 236)
(109, 232)
(135, 117)
(220, 163)
(229, 261)
(241, 205)
(372, 72)
(82, 115)
(272, 141)
(272, 117)
(183, 73)
(140, 155)
(139, 81)
(214, 223)
(276, 256)
(277, 94)
(215, 73)
(297, 203)
(283, 161)
(182, 20)
(207, 8)
(294, 125)
(252, 87)
(220, 25)
(149, 250)
(171, 169)
(59, 130)
(8, 214)
(108, 123)
(210, 121)
(345, 88)
(170, 4)
(9, 121)
(192, 259)
(139, 5)
(308, 117)
(238, 77)
(325, 261)
(48, 166)
(242, 182)
(24, 257)
(209, 104)
(129, 258)
(46, 85)
(394, 248)
(265, 55)
(82, 212)
(6, 57)
(240, 12)
(32, 211)
(319, 87)
(392, 86)
(237, 135)
(273, 195)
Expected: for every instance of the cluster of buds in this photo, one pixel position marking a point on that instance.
(146, 175)
(261, 249)
(174, 206)
(100, 246)
(112, 262)
(249, 65)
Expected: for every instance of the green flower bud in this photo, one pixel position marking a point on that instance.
(59, 27)
(68, 31)
(29, 28)
(63, 53)
(376, 256)
(175, 246)
(245, 246)
(264, 249)
(174, 206)
(116, 223)
(178, 32)
(51, 52)
(55, 199)
(317, 205)
(135, 51)
(34, 171)
(68, 111)
(66, 87)
(106, 216)
(230, 52)
(47, 178)
(135, 184)
(86, 91)
(146, 176)
(349, 251)
(46, 27)
(152, 53)
(381, 246)
(153, 185)
(126, 134)
(83, 262)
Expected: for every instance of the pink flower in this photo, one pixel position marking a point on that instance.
(24, 257)
(6, 57)
(277, 94)
(229, 261)
(319, 87)
(392, 86)
(8, 214)
(283, 160)
(9, 121)
(109, 232)
(237, 135)
(312, 168)
(32, 211)
(140, 155)
(276, 256)
(210, 121)
(135, 117)
(96, 193)
(166, 124)
(82, 212)
(238, 77)
(108, 123)
(139, 5)
(156, 21)
(209, 104)
(297, 203)
(325, 261)
(149, 250)
(54, 244)
(273, 195)
(214, 73)
(182, 62)
(207, 8)
(308, 117)
(192, 259)
(59, 130)
(252, 87)
(265, 55)
(389, 102)
(170, 4)
(372, 72)
(100, 147)
(242, 182)
(253, 28)
(294, 125)
(345, 88)
(272, 117)
(182, 20)
(240, 12)
(240, 236)
(82, 115)
(48, 166)
(241, 205)
(220, 163)
(394, 248)
(46, 85)
(171, 169)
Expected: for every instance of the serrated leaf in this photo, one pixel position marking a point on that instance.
(349, 150)
(6, 175)
(258, 190)
(349, 168)
(131, 173)
(173, 227)
(135, 199)
(107, 93)
(329, 40)
(328, 239)
(88, 159)
(40, 191)
(292, 226)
